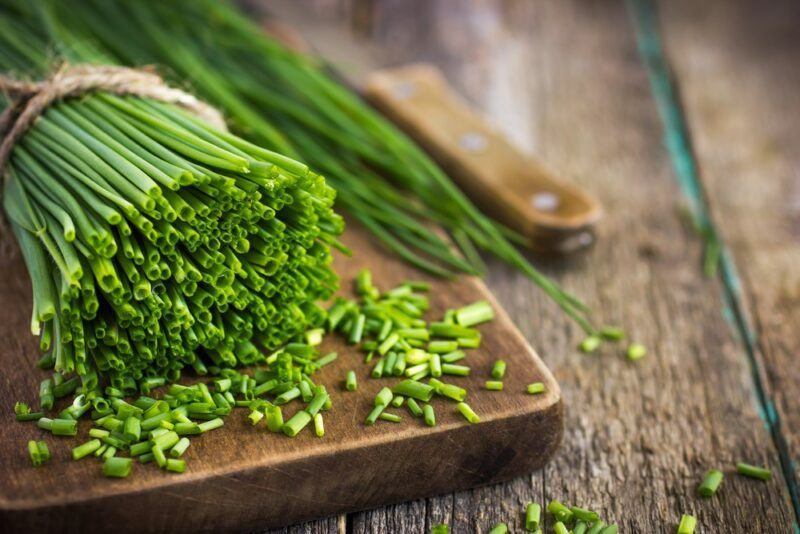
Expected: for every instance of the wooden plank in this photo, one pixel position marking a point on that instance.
(563, 79)
(240, 477)
(739, 75)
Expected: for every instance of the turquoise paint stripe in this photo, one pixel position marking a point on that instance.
(679, 146)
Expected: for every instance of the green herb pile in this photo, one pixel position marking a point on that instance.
(289, 103)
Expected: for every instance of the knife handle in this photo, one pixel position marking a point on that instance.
(514, 188)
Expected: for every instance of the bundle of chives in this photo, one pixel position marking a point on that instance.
(289, 103)
(156, 242)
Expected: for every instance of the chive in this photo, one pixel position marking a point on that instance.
(500, 528)
(583, 514)
(85, 449)
(440, 528)
(176, 466)
(452, 357)
(455, 370)
(636, 351)
(494, 385)
(59, 427)
(384, 397)
(687, 524)
(416, 357)
(35, 455)
(377, 371)
(140, 448)
(612, 333)
(559, 511)
(146, 458)
(390, 417)
(448, 390)
(415, 390)
(389, 363)
(468, 413)
(442, 347)
(374, 414)
(435, 365)
(109, 452)
(452, 331)
(117, 467)
(499, 370)
(327, 359)
(533, 514)
(710, 483)
(560, 528)
(179, 448)
(319, 428)
(535, 388)
(753, 471)
(469, 342)
(596, 527)
(590, 344)
(296, 423)
(274, 418)
(305, 391)
(610, 529)
(398, 401)
(132, 429)
(413, 407)
(255, 416)
(388, 343)
(159, 456)
(357, 330)
(210, 425)
(46, 397)
(319, 401)
(428, 415)
(580, 528)
(351, 383)
(287, 396)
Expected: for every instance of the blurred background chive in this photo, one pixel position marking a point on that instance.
(596, 527)
(499, 370)
(752, 471)
(392, 418)
(535, 388)
(494, 385)
(590, 344)
(636, 351)
(708, 487)
(687, 524)
(351, 383)
(560, 528)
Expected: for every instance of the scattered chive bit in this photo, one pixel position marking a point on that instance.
(475, 313)
(81, 451)
(560, 528)
(753, 471)
(636, 351)
(117, 467)
(351, 384)
(494, 385)
(392, 418)
(428, 415)
(590, 344)
(319, 425)
(22, 412)
(500, 528)
(583, 514)
(687, 524)
(535, 389)
(413, 407)
(559, 511)
(610, 529)
(415, 390)
(465, 410)
(710, 483)
(384, 397)
(296, 423)
(596, 527)
(450, 391)
(441, 528)
(612, 333)
(374, 414)
(499, 370)
(36, 450)
(533, 514)
(176, 466)
(580, 527)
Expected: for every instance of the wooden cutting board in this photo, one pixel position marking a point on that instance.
(240, 477)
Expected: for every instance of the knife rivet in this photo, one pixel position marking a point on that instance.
(545, 201)
(473, 142)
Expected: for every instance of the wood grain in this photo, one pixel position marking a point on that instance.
(739, 75)
(239, 477)
(563, 80)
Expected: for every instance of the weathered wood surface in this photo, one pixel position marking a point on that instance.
(244, 477)
(563, 79)
(738, 68)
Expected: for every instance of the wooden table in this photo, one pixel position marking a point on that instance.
(564, 79)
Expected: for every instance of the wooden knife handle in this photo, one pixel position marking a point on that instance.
(514, 188)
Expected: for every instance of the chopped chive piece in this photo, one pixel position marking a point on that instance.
(117, 467)
(296, 423)
(274, 418)
(398, 400)
(441, 528)
(146, 458)
(98, 433)
(583, 514)
(436, 365)
(687, 524)
(319, 428)
(500, 528)
(710, 483)
(468, 413)
(533, 514)
(390, 417)
(413, 407)
(327, 359)
(612, 333)
(559, 511)
(419, 368)
(255, 416)
(494, 385)
(389, 363)
(357, 330)
(535, 388)
(560, 528)
(210, 425)
(288, 396)
(452, 331)
(448, 390)
(35, 455)
(59, 427)
(499, 370)
(416, 357)
(388, 343)
(610, 529)
(590, 344)
(384, 397)
(753, 471)
(475, 313)
(442, 347)
(374, 414)
(455, 370)
(166, 440)
(109, 452)
(415, 390)
(140, 448)
(580, 527)
(160, 457)
(452, 357)
(351, 384)
(636, 351)
(429, 416)
(176, 466)
(132, 430)
(597, 526)
(469, 342)
(183, 429)
(377, 371)
(179, 448)
(85, 449)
